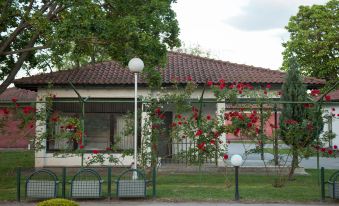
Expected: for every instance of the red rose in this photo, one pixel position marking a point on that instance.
(189, 78)
(199, 132)
(95, 151)
(174, 124)
(315, 92)
(335, 147)
(268, 86)
(6, 111)
(330, 152)
(179, 123)
(14, 100)
(323, 149)
(27, 109)
(222, 86)
(265, 92)
(162, 116)
(201, 146)
(328, 98)
(249, 125)
(157, 111)
(209, 83)
(333, 109)
(179, 116)
(208, 117)
(212, 141)
(82, 146)
(108, 148)
(225, 156)
(236, 131)
(228, 142)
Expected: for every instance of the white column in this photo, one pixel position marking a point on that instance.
(40, 155)
(220, 111)
(146, 131)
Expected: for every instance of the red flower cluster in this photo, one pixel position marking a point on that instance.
(315, 92)
(328, 98)
(291, 121)
(95, 151)
(158, 113)
(202, 146)
(209, 83)
(27, 109)
(5, 111)
(199, 132)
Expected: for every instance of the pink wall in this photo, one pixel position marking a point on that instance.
(12, 136)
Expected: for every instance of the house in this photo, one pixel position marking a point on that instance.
(111, 81)
(12, 136)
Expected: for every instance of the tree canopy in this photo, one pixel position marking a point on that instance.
(61, 34)
(314, 40)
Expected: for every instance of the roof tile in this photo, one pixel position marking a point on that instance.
(179, 65)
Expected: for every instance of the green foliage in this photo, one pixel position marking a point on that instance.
(314, 40)
(63, 34)
(300, 125)
(58, 202)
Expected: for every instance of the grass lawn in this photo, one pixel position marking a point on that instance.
(185, 187)
(9, 160)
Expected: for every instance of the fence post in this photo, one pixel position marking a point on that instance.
(109, 182)
(154, 182)
(18, 184)
(63, 182)
(322, 179)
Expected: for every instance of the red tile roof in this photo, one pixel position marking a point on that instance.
(19, 94)
(334, 95)
(179, 66)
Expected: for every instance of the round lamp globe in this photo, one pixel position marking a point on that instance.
(236, 160)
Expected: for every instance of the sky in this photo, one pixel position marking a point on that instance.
(241, 31)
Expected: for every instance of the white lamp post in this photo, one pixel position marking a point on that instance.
(135, 65)
(236, 161)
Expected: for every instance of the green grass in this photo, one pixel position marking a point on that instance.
(186, 187)
(9, 161)
(253, 188)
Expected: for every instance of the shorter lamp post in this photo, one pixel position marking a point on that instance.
(236, 161)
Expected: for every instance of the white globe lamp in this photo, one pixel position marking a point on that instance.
(236, 160)
(136, 65)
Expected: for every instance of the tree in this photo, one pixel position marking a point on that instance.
(300, 124)
(314, 40)
(67, 33)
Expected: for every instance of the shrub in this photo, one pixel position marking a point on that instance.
(57, 202)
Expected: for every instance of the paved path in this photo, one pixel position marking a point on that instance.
(254, 159)
(158, 203)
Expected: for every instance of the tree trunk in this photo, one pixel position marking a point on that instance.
(18, 65)
(294, 163)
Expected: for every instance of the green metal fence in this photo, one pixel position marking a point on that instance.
(74, 183)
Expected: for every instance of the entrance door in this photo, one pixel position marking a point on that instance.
(164, 140)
